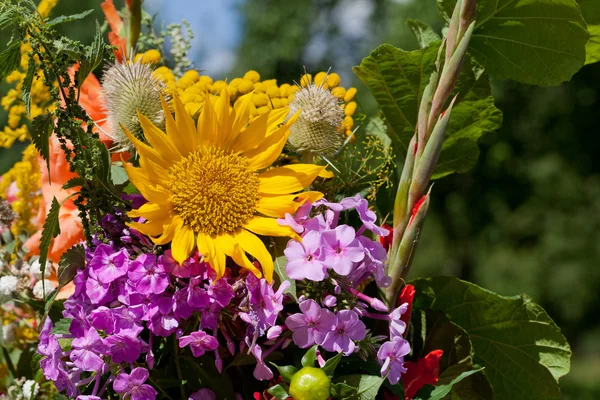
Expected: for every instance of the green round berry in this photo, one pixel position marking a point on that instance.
(310, 384)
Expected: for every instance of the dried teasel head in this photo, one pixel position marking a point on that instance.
(131, 87)
(317, 128)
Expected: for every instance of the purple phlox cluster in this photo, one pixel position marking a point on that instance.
(391, 353)
(328, 246)
(334, 332)
(118, 300)
(263, 305)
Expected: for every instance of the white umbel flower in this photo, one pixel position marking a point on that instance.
(38, 288)
(30, 389)
(317, 127)
(35, 269)
(8, 285)
(130, 87)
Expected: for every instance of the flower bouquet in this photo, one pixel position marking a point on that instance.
(171, 236)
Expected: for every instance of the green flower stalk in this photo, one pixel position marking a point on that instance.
(412, 197)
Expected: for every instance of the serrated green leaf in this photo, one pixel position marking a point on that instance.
(397, 80)
(10, 59)
(64, 45)
(70, 262)
(538, 42)
(367, 386)
(68, 18)
(310, 357)
(41, 129)
(424, 33)
(278, 392)
(50, 230)
(279, 266)
(26, 87)
(331, 364)
(429, 392)
(73, 182)
(93, 57)
(521, 348)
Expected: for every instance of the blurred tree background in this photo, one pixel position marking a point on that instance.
(525, 220)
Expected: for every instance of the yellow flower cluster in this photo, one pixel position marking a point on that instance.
(15, 129)
(26, 175)
(24, 326)
(192, 88)
(149, 57)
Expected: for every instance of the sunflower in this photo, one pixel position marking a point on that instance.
(210, 186)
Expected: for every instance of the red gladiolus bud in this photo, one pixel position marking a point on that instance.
(406, 296)
(423, 372)
(386, 241)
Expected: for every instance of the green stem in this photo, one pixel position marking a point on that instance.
(178, 367)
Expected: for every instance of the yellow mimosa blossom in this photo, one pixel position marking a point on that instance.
(209, 186)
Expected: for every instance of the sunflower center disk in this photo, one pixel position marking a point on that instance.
(214, 191)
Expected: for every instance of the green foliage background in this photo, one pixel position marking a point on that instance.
(526, 219)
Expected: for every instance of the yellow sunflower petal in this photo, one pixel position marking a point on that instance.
(183, 243)
(151, 211)
(222, 110)
(289, 179)
(310, 196)
(158, 173)
(208, 125)
(269, 150)
(214, 256)
(159, 140)
(254, 246)
(184, 143)
(242, 108)
(278, 115)
(149, 228)
(252, 136)
(146, 151)
(170, 227)
(153, 193)
(231, 247)
(185, 125)
(268, 227)
(277, 206)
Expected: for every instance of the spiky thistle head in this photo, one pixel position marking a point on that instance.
(129, 88)
(317, 127)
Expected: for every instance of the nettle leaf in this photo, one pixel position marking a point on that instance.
(397, 80)
(279, 266)
(523, 351)
(367, 386)
(538, 42)
(429, 392)
(93, 57)
(41, 129)
(590, 9)
(10, 59)
(424, 33)
(70, 262)
(68, 18)
(74, 182)
(50, 230)
(26, 86)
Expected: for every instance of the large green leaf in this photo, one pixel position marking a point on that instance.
(521, 348)
(367, 386)
(397, 79)
(591, 13)
(540, 42)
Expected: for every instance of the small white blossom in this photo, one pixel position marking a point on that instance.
(30, 389)
(38, 289)
(35, 269)
(8, 285)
